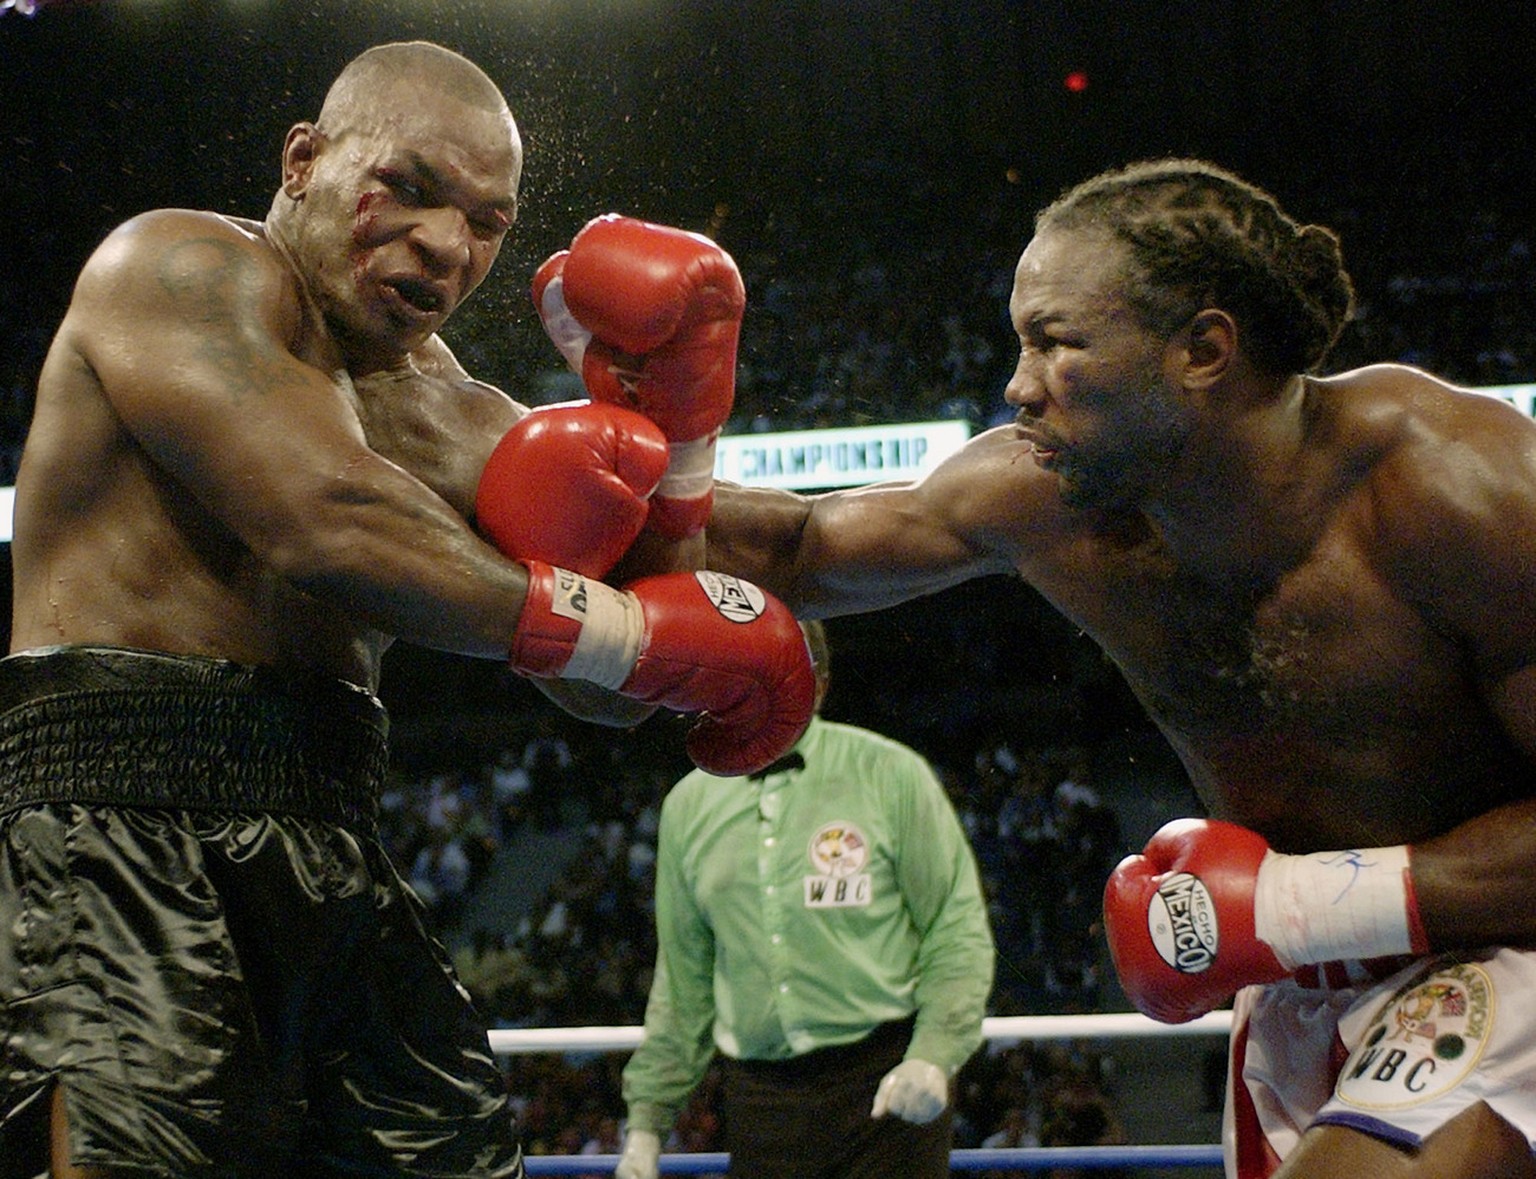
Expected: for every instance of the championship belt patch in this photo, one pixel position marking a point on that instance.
(1422, 1042)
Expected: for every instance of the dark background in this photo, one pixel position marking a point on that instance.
(824, 111)
(822, 132)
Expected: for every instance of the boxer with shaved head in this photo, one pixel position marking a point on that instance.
(255, 464)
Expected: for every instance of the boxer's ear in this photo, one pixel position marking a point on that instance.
(1208, 345)
(300, 151)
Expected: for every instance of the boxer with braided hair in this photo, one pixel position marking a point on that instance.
(1202, 236)
(1323, 590)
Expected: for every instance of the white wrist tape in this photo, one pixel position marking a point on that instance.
(690, 469)
(1333, 906)
(563, 327)
(612, 630)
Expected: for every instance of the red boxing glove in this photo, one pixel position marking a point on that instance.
(1179, 918)
(569, 484)
(1208, 908)
(650, 317)
(692, 642)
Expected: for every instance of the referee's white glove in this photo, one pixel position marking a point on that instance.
(642, 1149)
(914, 1091)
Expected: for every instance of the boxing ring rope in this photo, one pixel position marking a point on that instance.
(1006, 1158)
(1005, 1030)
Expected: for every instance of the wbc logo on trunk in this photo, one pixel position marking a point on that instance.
(1182, 921)
(1424, 1041)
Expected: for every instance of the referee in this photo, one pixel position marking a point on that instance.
(821, 926)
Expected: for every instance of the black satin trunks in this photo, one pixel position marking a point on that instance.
(203, 944)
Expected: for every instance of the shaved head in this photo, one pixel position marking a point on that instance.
(354, 98)
(407, 182)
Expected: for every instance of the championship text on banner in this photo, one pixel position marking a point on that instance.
(803, 460)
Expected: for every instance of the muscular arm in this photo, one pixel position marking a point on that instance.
(979, 512)
(194, 331)
(1465, 522)
(202, 476)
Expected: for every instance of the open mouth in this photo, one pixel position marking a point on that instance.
(1040, 446)
(418, 295)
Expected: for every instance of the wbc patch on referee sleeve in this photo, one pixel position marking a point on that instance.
(1422, 1042)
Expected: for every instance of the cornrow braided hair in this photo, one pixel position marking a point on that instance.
(1203, 237)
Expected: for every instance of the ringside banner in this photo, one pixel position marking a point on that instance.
(804, 460)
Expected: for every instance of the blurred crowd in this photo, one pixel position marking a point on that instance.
(581, 950)
(869, 333)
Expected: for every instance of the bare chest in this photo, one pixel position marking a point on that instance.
(1324, 692)
(1328, 634)
(1327, 648)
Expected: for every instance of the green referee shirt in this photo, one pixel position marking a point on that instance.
(802, 910)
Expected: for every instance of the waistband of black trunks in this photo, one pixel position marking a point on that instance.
(111, 726)
(892, 1037)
